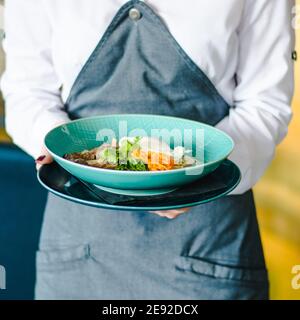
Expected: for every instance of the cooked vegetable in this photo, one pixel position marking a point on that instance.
(134, 154)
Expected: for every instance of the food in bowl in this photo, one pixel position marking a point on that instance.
(135, 154)
(209, 145)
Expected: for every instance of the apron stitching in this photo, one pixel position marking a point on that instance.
(214, 270)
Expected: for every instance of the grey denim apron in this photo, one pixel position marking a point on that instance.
(212, 252)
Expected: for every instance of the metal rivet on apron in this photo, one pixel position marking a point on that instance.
(135, 14)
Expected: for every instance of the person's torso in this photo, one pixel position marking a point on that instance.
(206, 30)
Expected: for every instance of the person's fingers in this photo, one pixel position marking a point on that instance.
(175, 211)
(171, 214)
(44, 158)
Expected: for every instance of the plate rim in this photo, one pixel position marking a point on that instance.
(140, 208)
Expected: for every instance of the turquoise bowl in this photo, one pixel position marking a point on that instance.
(209, 145)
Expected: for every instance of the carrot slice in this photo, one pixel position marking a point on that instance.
(155, 161)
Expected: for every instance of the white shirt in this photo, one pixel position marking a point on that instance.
(48, 41)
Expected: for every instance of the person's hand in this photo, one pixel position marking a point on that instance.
(44, 158)
(171, 214)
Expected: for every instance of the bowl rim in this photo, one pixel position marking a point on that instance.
(126, 172)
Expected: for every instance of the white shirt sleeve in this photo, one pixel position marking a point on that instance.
(265, 80)
(30, 87)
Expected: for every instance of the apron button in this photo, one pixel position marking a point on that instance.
(134, 14)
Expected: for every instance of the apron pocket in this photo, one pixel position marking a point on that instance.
(202, 267)
(62, 259)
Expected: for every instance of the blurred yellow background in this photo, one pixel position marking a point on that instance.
(278, 203)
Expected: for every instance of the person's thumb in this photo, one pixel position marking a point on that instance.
(44, 158)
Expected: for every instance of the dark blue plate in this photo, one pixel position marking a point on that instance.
(213, 186)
